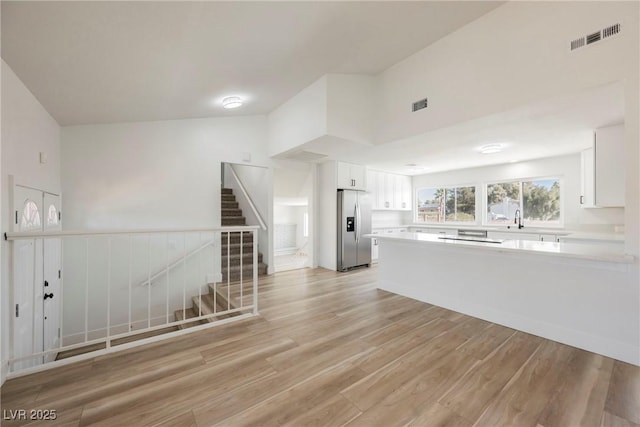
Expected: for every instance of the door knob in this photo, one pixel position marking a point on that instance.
(48, 295)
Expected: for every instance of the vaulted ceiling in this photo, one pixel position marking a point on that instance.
(104, 62)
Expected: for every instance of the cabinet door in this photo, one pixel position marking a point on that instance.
(588, 181)
(374, 248)
(389, 191)
(344, 176)
(397, 192)
(609, 165)
(358, 174)
(372, 187)
(406, 193)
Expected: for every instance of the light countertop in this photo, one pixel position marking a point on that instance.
(574, 235)
(567, 250)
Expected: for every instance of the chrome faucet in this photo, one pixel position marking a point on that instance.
(518, 219)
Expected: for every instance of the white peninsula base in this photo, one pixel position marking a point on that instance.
(577, 300)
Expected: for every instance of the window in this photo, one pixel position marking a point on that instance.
(446, 204)
(30, 216)
(52, 216)
(537, 200)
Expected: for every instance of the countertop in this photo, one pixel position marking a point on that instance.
(577, 235)
(566, 250)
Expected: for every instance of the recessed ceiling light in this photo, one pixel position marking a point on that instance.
(232, 102)
(490, 149)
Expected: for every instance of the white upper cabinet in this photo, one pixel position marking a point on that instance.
(389, 191)
(603, 182)
(351, 176)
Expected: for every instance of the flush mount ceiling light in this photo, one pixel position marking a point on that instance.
(232, 102)
(490, 149)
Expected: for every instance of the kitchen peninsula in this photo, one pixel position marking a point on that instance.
(575, 294)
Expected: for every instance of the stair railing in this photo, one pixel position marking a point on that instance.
(92, 305)
(243, 190)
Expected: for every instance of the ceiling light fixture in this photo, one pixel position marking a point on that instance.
(490, 149)
(232, 102)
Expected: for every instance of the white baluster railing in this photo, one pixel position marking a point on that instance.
(99, 304)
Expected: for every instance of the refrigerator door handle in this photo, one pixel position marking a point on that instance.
(358, 221)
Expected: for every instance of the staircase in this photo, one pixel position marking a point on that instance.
(223, 296)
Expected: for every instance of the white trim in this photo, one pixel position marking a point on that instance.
(85, 233)
(127, 346)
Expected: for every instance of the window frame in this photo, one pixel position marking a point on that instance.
(485, 204)
(475, 222)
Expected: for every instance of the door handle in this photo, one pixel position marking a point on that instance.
(356, 224)
(48, 295)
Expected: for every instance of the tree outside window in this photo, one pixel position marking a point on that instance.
(446, 204)
(537, 200)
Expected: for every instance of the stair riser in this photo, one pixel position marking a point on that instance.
(229, 205)
(233, 221)
(247, 248)
(234, 238)
(228, 198)
(235, 260)
(246, 275)
(227, 191)
(231, 212)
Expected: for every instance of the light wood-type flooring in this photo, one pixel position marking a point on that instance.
(329, 349)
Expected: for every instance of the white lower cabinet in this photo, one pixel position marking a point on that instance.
(505, 235)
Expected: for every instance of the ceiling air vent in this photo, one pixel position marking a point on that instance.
(595, 37)
(419, 105)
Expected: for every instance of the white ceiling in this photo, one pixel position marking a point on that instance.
(553, 127)
(104, 62)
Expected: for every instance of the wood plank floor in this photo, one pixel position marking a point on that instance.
(329, 349)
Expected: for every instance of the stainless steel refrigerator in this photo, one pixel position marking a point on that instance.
(354, 221)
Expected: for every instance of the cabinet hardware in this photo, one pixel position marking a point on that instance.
(582, 200)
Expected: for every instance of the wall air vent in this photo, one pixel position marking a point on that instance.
(610, 31)
(595, 37)
(419, 105)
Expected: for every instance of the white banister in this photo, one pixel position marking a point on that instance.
(246, 195)
(113, 262)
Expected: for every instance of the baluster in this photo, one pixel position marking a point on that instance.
(129, 324)
(86, 291)
(108, 343)
(148, 280)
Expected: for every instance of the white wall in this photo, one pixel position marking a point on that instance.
(27, 130)
(518, 54)
(350, 106)
(565, 167)
(153, 174)
(327, 224)
(381, 219)
(302, 118)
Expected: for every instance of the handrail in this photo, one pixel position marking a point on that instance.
(70, 233)
(263, 225)
(177, 262)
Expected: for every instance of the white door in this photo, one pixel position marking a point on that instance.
(52, 275)
(28, 280)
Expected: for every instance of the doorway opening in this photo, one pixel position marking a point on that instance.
(292, 217)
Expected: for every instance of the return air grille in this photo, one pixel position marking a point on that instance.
(610, 31)
(419, 105)
(595, 37)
